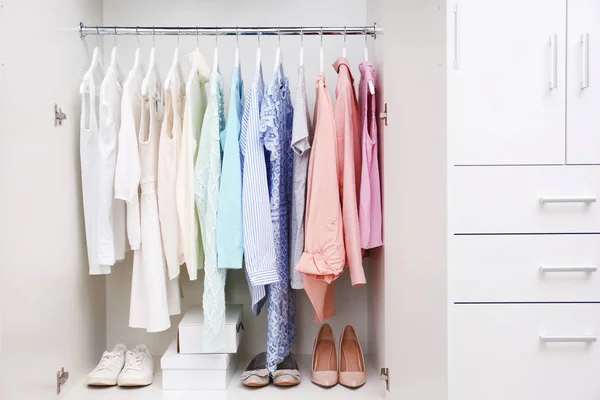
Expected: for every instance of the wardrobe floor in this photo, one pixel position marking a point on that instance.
(372, 390)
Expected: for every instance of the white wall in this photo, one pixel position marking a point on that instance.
(351, 302)
(53, 313)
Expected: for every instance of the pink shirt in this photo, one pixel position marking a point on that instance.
(323, 259)
(370, 189)
(347, 122)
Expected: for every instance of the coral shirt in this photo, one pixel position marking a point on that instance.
(324, 255)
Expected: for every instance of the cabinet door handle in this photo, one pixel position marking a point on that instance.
(568, 339)
(553, 61)
(582, 199)
(585, 62)
(456, 36)
(582, 268)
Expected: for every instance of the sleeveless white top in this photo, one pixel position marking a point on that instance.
(88, 151)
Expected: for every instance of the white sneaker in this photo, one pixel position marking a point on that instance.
(139, 368)
(108, 369)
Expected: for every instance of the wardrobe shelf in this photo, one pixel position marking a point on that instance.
(372, 390)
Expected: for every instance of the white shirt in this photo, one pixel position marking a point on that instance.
(127, 171)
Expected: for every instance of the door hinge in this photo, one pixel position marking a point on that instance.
(383, 115)
(385, 376)
(59, 115)
(61, 379)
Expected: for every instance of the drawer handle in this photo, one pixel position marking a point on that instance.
(584, 268)
(582, 199)
(567, 339)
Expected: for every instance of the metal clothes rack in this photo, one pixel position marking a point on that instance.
(370, 30)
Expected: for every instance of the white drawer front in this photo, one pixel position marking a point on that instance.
(495, 352)
(524, 268)
(524, 199)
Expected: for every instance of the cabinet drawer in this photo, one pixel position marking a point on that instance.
(496, 352)
(524, 268)
(524, 199)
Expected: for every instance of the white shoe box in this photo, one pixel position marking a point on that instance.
(191, 330)
(196, 371)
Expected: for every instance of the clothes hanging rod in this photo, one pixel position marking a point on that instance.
(370, 30)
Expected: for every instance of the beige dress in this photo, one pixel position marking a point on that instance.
(153, 296)
(168, 153)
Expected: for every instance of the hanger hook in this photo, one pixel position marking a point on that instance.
(197, 37)
(321, 36)
(258, 36)
(365, 35)
(279, 36)
(137, 35)
(115, 36)
(216, 35)
(153, 40)
(97, 37)
(345, 37)
(178, 33)
(302, 35)
(237, 36)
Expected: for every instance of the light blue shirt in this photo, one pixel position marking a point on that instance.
(259, 244)
(230, 236)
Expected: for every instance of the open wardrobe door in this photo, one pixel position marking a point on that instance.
(413, 158)
(52, 312)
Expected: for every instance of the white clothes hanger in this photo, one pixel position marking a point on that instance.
(174, 66)
(136, 60)
(237, 47)
(321, 53)
(152, 68)
(301, 47)
(366, 50)
(194, 70)
(96, 64)
(197, 39)
(258, 50)
(278, 51)
(366, 56)
(216, 54)
(344, 49)
(113, 53)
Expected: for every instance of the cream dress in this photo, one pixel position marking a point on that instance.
(168, 154)
(153, 296)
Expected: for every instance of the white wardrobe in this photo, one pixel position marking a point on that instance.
(53, 314)
(487, 285)
(523, 183)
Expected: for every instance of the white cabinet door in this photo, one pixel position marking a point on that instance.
(53, 312)
(583, 82)
(506, 81)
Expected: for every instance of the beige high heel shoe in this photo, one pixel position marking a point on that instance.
(324, 361)
(352, 361)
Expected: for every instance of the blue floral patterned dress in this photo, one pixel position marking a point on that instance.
(276, 132)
